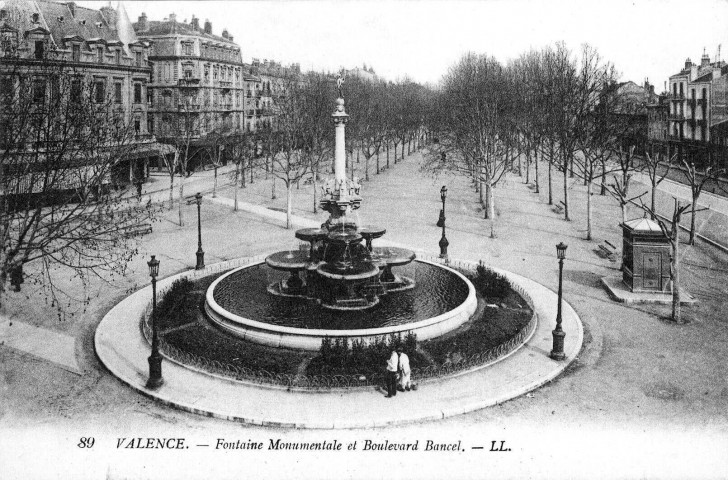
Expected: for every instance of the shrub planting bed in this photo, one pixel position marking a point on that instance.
(501, 315)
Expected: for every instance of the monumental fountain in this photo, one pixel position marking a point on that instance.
(341, 282)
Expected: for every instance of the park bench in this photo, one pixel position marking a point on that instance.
(608, 250)
(137, 230)
(559, 207)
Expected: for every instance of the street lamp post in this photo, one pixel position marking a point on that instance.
(557, 353)
(155, 359)
(443, 241)
(200, 253)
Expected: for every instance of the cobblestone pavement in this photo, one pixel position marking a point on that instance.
(646, 397)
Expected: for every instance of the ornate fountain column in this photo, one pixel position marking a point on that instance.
(340, 118)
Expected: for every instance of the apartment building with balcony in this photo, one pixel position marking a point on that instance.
(271, 81)
(80, 47)
(698, 109)
(197, 87)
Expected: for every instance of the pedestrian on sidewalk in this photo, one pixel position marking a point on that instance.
(405, 382)
(392, 374)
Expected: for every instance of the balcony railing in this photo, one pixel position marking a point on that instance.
(192, 107)
(677, 96)
(225, 84)
(676, 117)
(188, 82)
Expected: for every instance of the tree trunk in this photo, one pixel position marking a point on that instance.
(535, 164)
(181, 199)
(387, 154)
(675, 273)
(489, 202)
(589, 207)
(377, 162)
(214, 184)
(603, 188)
(479, 189)
(528, 166)
(653, 197)
(273, 189)
(566, 194)
(289, 195)
(551, 164)
(691, 241)
(366, 167)
(171, 191)
(235, 191)
(250, 162)
(314, 178)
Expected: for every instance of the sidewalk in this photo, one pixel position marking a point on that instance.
(123, 350)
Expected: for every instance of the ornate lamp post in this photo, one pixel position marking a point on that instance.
(200, 253)
(557, 353)
(443, 241)
(155, 359)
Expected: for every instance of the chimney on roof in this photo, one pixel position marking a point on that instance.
(172, 17)
(143, 25)
(195, 23)
(72, 7)
(704, 60)
(688, 63)
(225, 33)
(208, 26)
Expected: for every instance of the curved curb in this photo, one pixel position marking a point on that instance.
(121, 347)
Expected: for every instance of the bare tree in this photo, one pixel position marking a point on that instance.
(63, 141)
(657, 170)
(697, 178)
(671, 229)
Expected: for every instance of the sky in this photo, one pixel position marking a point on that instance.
(422, 39)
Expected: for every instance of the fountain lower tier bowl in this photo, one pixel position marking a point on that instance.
(239, 303)
(354, 272)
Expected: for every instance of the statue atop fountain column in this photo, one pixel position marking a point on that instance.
(342, 195)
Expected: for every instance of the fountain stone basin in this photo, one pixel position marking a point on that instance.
(281, 335)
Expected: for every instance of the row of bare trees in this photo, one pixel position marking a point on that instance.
(555, 106)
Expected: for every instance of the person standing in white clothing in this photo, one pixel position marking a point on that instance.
(404, 370)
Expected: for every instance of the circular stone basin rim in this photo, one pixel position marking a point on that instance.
(310, 332)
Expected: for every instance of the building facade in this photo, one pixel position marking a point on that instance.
(93, 47)
(698, 113)
(197, 89)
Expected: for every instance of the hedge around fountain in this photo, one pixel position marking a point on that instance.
(297, 381)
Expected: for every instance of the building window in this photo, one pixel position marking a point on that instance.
(39, 88)
(6, 89)
(150, 125)
(138, 59)
(137, 93)
(137, 126)
(76, 91)
(117, 92)
(100, 91)
(76, 52)
(188, 73)
(186, 48)
(100, 54)
(117, 57)
(39, 49)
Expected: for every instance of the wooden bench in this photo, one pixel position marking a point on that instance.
(560, 207)
(608, 250)
(137, 230)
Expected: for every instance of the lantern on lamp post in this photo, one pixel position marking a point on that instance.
(155, 359)
(200, 253)
(443, 241)
(557, 353)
